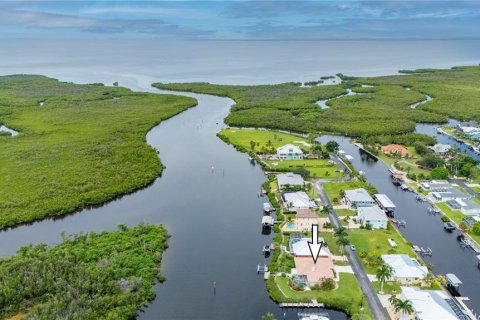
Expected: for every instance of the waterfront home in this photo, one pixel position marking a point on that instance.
(405, 269)
(396, 150)
(435, 185)
(358, 198)
(295, 201)
(305, 268)
(290, 152)
(433, 304)
(447, 194)
(290, 179)
(466, 206)
(372, 217)
(303, 221)
(441, 149)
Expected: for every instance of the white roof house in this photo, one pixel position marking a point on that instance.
(290, 152)
(290, 179)
(359, 198)
(300, 248)
(441, 148)
(435, 185)
(447, 194)
(372, 216)
(429, 304)
(404, 266)
(298, 200)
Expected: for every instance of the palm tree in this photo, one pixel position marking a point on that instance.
(393, 299)
(343, 241)
(403, 306)
(341, 232)
(384, 272)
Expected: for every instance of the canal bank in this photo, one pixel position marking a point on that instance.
(421, 228)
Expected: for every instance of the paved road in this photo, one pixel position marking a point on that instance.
(462, 183)
(370, 294)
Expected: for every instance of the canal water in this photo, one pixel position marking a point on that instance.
(431, 130)
(207, 199)
(421, 229)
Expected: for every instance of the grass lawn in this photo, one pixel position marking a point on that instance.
(476, 189)
(389, 287)
(348, 296)
(345, 212)
(243, 137)
(332, 189)
(375, 243)
(331, 241)
(406, 165)
(319, 168)
(84, 146)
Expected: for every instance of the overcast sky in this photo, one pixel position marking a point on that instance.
(241, 20)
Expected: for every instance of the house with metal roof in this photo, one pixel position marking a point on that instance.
(290, 152)
(405, 269)
(466, 206)
(372, 217)
(447, 194)
(295, 201)
(432, 304)
(435, 185)
(358, 198)
(290, 179)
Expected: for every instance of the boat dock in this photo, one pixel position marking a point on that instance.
(313, 304)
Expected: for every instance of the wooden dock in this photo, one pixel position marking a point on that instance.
(305, 305)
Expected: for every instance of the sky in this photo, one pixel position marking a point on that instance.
(241, 20)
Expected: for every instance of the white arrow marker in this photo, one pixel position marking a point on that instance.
(314, 245)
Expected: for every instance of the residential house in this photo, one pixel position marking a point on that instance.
(372, 217)
(358, 198)
(289, 179)
(405, 269)
(441, 149)
(466, 206)
(433, 304)
(447, 195)
(290, 152)
(295, 201)
(396, 149)
(305, 268)
(435, 185)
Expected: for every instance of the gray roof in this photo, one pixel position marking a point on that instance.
(290, 149)
(290, 179)
(358, 195)
(467, 204)
(384, 201)
(371, 213)
(452, 193)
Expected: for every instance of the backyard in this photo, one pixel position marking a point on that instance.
(348, 296)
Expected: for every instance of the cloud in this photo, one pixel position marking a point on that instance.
(17, 15)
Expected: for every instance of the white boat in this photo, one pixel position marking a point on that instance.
(267, 207)
(404, 186)
(313, 316)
